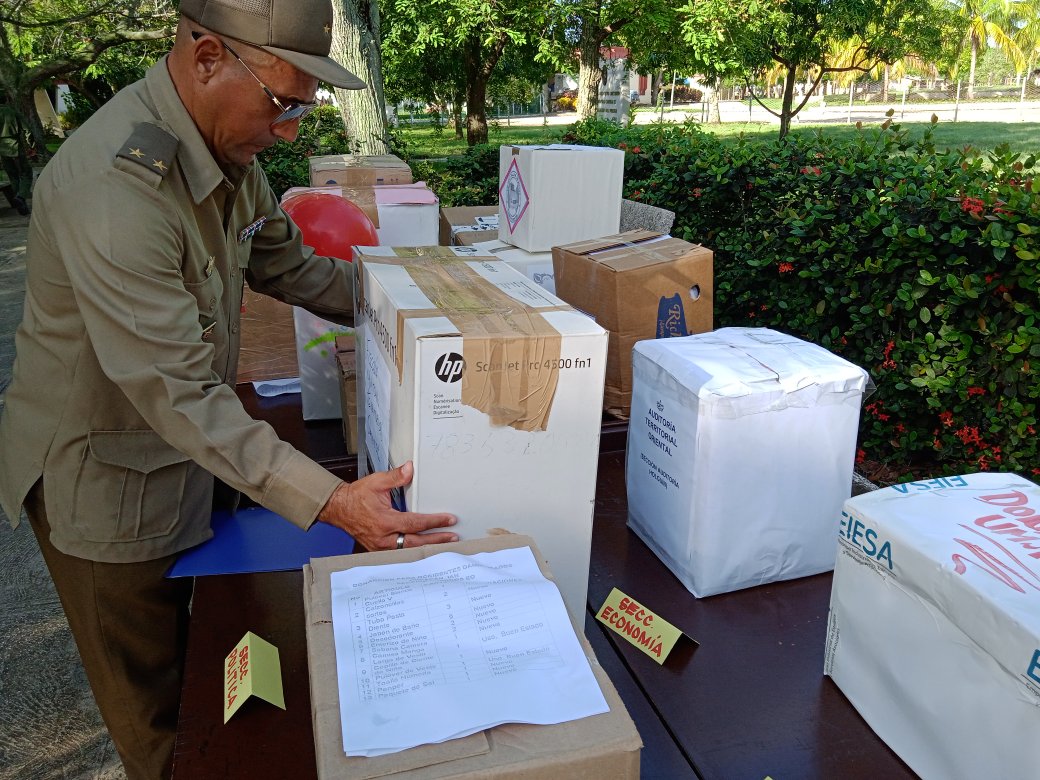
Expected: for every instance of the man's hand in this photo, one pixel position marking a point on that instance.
(363, 510)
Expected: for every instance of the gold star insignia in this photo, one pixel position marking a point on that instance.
(159, 164)
(137, 153)
(328, 30)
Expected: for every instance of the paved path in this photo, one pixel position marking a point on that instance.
(49, 724)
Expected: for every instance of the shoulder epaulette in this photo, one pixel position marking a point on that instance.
(151, 147)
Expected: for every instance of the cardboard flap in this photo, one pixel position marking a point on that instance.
(626, 239)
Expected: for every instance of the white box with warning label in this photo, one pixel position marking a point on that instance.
(558, 194)
(492, 387)
(934, 627)
(740, 453)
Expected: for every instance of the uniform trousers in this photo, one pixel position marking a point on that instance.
(131, 627)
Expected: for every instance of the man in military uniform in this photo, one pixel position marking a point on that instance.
(121, 410)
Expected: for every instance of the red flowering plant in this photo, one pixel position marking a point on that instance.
(920, 265)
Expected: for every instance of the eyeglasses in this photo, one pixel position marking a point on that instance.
(288, 112)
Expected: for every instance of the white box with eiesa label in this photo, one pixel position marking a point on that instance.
(492, 386)
(558, 194)
(741, 446)
(934, 627)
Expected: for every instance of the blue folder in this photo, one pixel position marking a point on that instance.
(256, 539)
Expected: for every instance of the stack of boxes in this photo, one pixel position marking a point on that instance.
(740, 452)
(403, 212)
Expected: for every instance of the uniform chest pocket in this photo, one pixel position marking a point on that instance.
(207, 293)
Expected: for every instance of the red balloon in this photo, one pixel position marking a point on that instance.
(331, 224)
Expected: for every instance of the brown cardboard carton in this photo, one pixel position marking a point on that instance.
(346, 359)
(458, 225)
(268, 348)
(602, 746)
(638, 285)
(353, 170)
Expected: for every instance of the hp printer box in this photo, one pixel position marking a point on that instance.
(493, 387)
(934, 627)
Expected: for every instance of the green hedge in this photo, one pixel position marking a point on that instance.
(919, 265)
(321, 132)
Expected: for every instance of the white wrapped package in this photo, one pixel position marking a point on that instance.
(740, 453)
(934, 628)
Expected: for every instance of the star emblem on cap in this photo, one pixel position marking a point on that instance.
(137, 153)
(328, 29)
(159, 164)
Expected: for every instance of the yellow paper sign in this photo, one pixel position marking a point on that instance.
(652, 634)
(252, 669)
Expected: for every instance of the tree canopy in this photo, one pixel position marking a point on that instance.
(74, 40)
(814, 36)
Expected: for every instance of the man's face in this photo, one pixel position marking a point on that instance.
(241, 125)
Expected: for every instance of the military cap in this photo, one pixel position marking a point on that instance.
(297, 31)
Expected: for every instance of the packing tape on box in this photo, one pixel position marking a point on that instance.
(791, 388)
(519, 347)
(365, 199)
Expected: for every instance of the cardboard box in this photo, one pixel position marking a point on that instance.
(353, 170)
(467, 225)
(268, 346)
(934, 627)
(346, 360)
(740, 453)
(319, 373)
(601, 746)
(492, 387)
(638, 285)
(536, 266)
(558, 194)
(404, 215)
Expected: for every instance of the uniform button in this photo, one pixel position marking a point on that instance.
(234, 327)
(212, 302)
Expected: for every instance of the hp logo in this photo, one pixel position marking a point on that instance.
(449, 367)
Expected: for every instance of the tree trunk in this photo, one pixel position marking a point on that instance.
(476, 93)
(886, 83)
(479, 64)
(714, 104)
(788, 102)
(457, 99)
(355, 44)
(589, 75)
(971, 68)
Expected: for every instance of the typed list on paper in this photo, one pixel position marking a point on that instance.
(446, 646)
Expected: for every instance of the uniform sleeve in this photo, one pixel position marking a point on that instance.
(123, 256)
(282, 267)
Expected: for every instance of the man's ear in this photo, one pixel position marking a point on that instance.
(207, 57)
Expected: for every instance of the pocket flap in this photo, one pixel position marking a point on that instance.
(143, 451)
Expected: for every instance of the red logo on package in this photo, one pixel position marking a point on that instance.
(513, 196)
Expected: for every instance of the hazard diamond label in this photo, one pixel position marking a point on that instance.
(513, 196)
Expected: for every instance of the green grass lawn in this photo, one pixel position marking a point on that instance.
(1022, 136)
(424, 142)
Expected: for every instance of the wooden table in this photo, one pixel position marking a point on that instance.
(750, 702)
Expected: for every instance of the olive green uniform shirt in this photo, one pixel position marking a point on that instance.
(122, 395)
